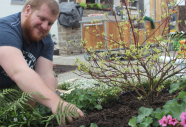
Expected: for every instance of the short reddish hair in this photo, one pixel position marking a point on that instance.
(36, 4)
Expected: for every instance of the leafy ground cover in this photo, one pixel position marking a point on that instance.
(100, 105)
(118, 111)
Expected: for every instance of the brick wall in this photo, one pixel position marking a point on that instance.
(73, 35)
(90, 11)
(69, 34)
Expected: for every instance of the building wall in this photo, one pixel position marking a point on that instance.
(116, 3)
(147, 8)
(156, 10)
(67, 35)
(141, 7)
(73, 35)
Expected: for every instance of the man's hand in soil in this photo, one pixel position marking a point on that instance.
(71, 111)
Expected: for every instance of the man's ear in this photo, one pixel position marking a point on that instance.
(27, 11)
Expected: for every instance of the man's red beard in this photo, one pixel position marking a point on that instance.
(29, 31)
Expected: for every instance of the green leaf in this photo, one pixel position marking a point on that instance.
(143, 112)
(81, 97)
(82, 126)
(146, 122)
(181, 94)
(132, 122)
(99, 107)
(160, 115)
(155, 123)
(93, 125)
(184, 99)
(174, 87)
(157, 110)
(176, 111)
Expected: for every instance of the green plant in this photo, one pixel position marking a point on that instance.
(94, 5)
(124, 63)
(176, 38)
(173, 122)
(64, 85)
(15, 111)
(14, 106)
(92, 125)
(105, 93)
(106, 6)
(174, 107)
(83, 5)
(68, 111)
(98, 6)
(90, 5)
(83, 99)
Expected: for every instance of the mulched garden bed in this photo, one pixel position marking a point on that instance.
(114, 114)
(58, 69)
(56, 52)
(117, 114)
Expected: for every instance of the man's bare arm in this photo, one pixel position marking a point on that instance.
(12, 61)
(44, 68)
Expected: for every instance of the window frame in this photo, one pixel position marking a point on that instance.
(18, 2)
(68, 1)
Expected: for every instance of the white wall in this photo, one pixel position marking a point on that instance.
(147, 7)
(6, 8)
(181, 2)
(116, 3)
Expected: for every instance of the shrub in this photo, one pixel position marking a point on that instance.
(124, 64)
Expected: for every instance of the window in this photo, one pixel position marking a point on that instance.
(67, 1)
(134, 3)
(106, 4)
(18, 1)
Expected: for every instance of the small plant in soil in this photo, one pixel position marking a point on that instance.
(104, 93)
(83, 5)
(83, 99)
(172, 113)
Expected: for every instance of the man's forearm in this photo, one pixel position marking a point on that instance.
(30, 81)
(50, 81)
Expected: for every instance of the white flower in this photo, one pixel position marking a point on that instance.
(24, 118)
(15, 119)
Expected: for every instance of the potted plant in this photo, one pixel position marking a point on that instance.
(106, 7)
(83, 5)
(96, 6)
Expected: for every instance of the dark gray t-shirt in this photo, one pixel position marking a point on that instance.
(10, 35)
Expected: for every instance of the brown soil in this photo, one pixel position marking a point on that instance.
(117, 114)
(58, 69)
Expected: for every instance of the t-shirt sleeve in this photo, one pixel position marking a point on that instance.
(48, 48)
(9, 36)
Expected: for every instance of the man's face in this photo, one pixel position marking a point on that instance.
(38, 23)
